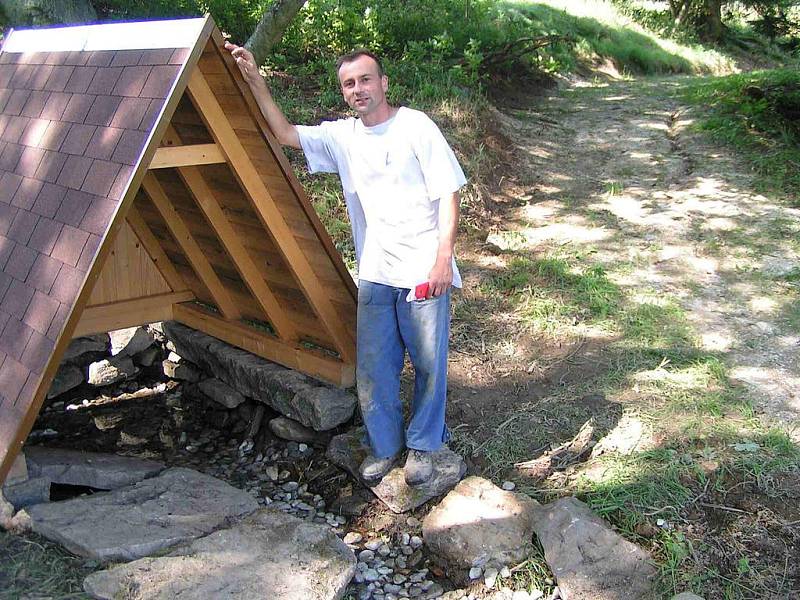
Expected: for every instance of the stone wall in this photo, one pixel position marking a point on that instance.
(233, 378)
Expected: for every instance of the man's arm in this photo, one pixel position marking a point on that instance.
(284, 131)
(441, 276)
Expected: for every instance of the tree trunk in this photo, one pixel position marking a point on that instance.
(270, 28)
(47, 12)
(714, 28)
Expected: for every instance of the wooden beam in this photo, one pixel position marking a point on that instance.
(128, 313)
(266, 346)
(204, 196)
(185, 156)
(269, 213)
(283, 162)
(153, 247)
(190, 248)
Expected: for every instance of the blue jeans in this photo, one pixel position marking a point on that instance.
(388, 325)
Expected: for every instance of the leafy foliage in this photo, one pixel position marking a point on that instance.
(758, 113)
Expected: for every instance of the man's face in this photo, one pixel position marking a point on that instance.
(363, 88)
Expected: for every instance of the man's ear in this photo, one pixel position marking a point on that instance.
(385, 83)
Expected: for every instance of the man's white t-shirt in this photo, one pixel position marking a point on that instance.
(393, 175)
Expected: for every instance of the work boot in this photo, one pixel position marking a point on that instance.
(373, 469)
(419, 467)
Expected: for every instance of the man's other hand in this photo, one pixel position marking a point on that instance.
(441, 277)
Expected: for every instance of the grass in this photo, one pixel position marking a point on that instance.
(36, 568)
(599, 31)
(751, 113)
(654, 372)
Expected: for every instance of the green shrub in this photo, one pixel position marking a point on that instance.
(758, 113)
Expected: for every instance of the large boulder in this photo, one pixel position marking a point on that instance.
(92, 346)
(130, 341)
(289, 429)
(181, 371)
(347, 451)
(268, 555)
(221, 393)
(297, 396)
(589, 559)
(113, 370)
(480, 524)
(174, 507)
(67, 377)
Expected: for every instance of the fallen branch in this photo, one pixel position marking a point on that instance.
(576, 450)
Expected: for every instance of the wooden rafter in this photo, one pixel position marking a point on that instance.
(190, 155)
(270, 140)
(152, 246)
(269, 213)
(190, 248)
(204, 196)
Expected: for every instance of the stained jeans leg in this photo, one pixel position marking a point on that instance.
(379, 362)
(425, 328)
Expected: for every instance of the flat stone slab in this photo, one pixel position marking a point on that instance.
(480, 524)
(95, 470)
(588, 558)
(28, 492)
(268, 555)
(174, 507)
(297, 396)
(347, 451)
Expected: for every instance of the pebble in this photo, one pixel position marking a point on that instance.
(490, 577)
(373, 545)
(415, 542)
(353, 538)
(508, 485)
(366, 555)
(475, 573)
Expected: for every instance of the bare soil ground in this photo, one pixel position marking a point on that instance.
(687, 356)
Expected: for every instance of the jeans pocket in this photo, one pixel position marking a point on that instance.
(364, 292)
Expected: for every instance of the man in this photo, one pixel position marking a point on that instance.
(400, 182)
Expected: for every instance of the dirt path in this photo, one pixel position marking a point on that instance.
(618, 168)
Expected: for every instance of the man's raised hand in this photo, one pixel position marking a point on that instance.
(245, 61)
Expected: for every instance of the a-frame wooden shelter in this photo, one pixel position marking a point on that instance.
(139, 182)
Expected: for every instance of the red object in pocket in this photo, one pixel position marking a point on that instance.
(421, 291)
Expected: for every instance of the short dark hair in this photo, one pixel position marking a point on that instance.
(351, 56)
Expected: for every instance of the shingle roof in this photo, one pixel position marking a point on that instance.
(72, 125)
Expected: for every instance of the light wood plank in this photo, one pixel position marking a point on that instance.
(183, 156)
(270, 214)
(190, 248)
(204, 196)
(128, 313)
(266, 346)
(129, 272)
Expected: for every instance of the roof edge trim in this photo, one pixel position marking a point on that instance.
(139, 35)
